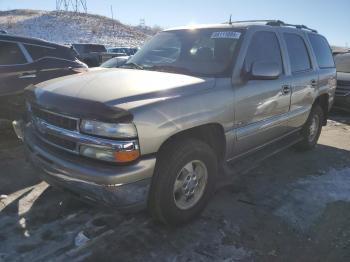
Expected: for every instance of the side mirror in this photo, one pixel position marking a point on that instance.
(262, 70)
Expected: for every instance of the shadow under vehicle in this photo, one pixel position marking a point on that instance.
(26, 61)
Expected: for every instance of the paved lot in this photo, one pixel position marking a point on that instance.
(293, 207)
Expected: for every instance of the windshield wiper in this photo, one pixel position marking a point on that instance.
(170, 69)
(133, 65)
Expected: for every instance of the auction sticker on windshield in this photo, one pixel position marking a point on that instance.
(226, 34)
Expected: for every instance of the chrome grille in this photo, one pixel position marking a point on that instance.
(55, 119)
(41, 118)
(50, 131)
(59, 142)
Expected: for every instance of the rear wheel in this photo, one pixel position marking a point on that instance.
(312, 129)
(183, 182)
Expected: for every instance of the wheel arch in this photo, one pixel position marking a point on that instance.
(212, 134)
(323, 102)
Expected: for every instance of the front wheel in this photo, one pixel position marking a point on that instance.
(312, 129)
(183, 182)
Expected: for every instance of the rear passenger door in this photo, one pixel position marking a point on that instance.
(15, 74)
(15, 70)
(260, 105)
(327, 81)
(302, 77)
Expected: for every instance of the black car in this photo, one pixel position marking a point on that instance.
(26, 61)
(129, 51)
(342, 93)
(93, 54)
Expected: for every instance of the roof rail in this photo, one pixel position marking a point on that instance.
(275, 23)
(252, 21)
(281, 23)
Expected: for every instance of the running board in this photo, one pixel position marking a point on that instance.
(230, 171)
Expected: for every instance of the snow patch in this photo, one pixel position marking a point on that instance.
(70, 27)
(309, 197)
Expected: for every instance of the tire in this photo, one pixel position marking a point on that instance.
(312, 129)
(172, 206)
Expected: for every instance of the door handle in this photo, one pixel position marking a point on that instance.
(27, 75)
(286, 89)
(313, 83)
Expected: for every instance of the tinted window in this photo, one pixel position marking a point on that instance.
(297, 52)
(38, 52)
(264, 46)
(11, 54)
(322, 51)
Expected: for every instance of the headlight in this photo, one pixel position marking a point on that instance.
(110, 130)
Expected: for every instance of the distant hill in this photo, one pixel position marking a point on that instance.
(69, 27)
(339, 49)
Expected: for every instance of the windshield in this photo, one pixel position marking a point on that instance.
(206, 52)
(342, 62)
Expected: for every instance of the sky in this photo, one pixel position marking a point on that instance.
(330, 17)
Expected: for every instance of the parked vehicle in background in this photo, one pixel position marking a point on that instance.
(93, 54)
(342, 93)
(129, 51)
(115, 62)
(25, 61)
(155, 131)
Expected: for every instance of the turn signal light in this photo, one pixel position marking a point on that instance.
(126, 156)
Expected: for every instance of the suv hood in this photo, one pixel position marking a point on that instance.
(113, 86)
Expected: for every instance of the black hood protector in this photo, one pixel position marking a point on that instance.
(75, 107)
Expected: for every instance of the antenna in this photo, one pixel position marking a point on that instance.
(230, 21)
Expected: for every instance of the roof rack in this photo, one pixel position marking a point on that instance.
(275, 23)
(281, 23)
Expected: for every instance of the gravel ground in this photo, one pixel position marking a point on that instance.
(293, 207)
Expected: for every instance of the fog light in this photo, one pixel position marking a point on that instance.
(121, 156)
(97, 153)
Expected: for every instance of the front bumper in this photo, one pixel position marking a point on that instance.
(342, 102)
(124, 187)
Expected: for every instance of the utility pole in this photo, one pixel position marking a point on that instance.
(112, 12)
(142, 23)
(71, 5)
(112, 16)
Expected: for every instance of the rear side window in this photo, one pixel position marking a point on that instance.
(11, 54)
(322, 51)
(298, 55)
(38, 52)
(264, 46)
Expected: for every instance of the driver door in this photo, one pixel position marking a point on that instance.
(261, 106)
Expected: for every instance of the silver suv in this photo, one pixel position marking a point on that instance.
(163, 130)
